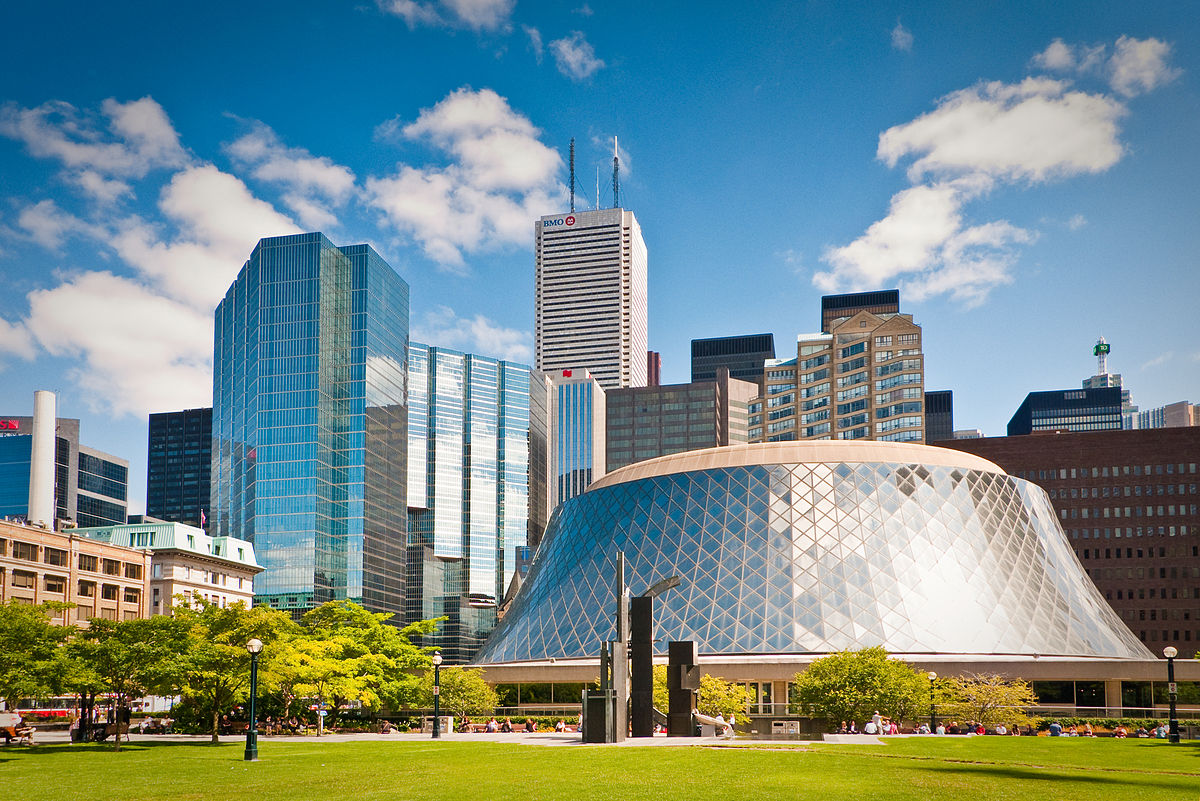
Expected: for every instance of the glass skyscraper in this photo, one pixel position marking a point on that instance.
(310, 419)
(468, 490)
(179, 466)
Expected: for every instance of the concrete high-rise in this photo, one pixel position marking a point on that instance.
(179, 466)
(861, 378)
(590, 308)
(647, 422)
(310, 422)
(468, 491)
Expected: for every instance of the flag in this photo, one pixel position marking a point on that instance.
(203, 519)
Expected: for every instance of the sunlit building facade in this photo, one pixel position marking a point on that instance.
(310, 422)
(468, 490)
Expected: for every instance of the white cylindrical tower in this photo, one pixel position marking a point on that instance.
(41, 459)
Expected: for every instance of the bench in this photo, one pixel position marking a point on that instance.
(23, 734)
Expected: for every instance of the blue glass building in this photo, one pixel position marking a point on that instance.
(468, 490)
(310, 422)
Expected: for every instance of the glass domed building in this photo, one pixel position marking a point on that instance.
(788, 551)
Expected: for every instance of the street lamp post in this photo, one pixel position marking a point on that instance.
(255, 647)
(932, 718)
(437, 693)
(1173, 724)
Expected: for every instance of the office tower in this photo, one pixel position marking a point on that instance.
(310, 422)
(939, 415)
(541, 461)
(573, 405)
(653, 368)
(468, 491)
(881, 302)
(646, 422)
(89, 487)
(1129, 505)
(861, 379)
(743, 356)
(1173, 415)
(179, 466)
(1068, 410)
(591, 296)
(1104, 379)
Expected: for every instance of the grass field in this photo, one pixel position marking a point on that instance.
(919, 768)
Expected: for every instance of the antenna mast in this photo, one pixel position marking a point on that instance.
(616, 170)
(572, 175)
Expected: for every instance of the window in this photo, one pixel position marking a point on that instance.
(24, 550)
(54, 556)
(133, 571)
(87, 589)
(55, 584)
(111, 567)
(883, 342)
(132, 595)
(88, 562)
(156, 571)
(909, 339)
(21, 578)
(108, 592)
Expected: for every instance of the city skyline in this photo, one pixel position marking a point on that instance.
(1025, 176)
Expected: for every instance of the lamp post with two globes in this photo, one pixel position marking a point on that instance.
(255, 647)
(1170, 653)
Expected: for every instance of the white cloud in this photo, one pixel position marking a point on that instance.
(314, 185)
(535, 41)
(48, 225)
(16, 339)
(478, 15)
(501, 177)
(584, 10)
(1034, 130)
(902, 38)
(1158, 360)
(479, 335)
(140, 138)
(1138, 66)
(138, 351)
(218, 222)
(575, 57)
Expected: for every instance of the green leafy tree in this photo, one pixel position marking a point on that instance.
(127, 658)
(719, 697)
(987, 699)
(31, 664)
(661, 695)
(212, 666)
(852, 685)
(463, 692)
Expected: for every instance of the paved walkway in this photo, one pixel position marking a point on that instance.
(519, 738)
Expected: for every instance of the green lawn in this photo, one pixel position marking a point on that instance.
(976, 767)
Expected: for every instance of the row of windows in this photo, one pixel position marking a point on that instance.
(1130, 491)
(1129, 531)
(1129, 511)
(28, 552)
(1137, 553)
(22, 579)
(1063, 473)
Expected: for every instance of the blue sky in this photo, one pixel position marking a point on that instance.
(1026, 173)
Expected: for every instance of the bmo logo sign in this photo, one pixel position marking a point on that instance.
(568, 221)
(9, 425)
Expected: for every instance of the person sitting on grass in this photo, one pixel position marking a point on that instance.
(1120, 732)
(530, 725)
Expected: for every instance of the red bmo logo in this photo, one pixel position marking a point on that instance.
(570, 221)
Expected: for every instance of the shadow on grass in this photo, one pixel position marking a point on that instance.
(10, 753)
(1112, 780)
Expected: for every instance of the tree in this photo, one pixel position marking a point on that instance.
(31, 665)
(125, 658)
(852, 685)
(720, 697)
(212, 667)
(988, 699)
(462, 692)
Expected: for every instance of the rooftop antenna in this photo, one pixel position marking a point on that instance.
(597, 187)
(1100, 351)
(572, 175)
(616, 170)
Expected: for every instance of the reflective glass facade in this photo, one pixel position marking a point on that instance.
(179, 466)
(810, 557)
(468, 489)
(578, 437)
(310, 422)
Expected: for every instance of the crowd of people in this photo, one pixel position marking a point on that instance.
(879, 724)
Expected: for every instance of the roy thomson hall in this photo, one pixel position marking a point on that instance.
(789, 551)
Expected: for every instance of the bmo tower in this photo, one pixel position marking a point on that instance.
(591, 296)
